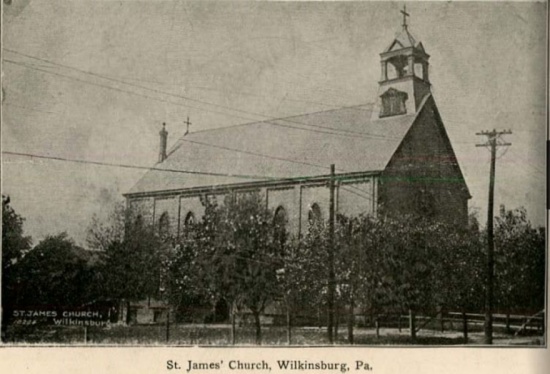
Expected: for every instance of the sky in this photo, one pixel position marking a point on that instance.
(95, 80)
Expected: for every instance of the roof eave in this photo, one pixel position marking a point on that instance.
(342, 177)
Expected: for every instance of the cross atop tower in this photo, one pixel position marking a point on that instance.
(405, 15)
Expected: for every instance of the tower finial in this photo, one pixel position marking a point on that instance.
(405, 15)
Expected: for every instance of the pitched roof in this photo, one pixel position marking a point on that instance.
(352, 138)
(404, 40)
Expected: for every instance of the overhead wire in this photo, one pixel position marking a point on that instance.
(143, 167)
(128, 166)
(31, 66)
(108, 87)
(203, 102)
(183, 105)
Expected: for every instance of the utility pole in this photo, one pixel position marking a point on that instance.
(331, 280)
(492, 142)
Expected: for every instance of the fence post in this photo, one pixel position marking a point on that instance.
(350, 321)
(377, 326)
(288, 325)
(233, 327)
(399, 321)
(465, 326)
(167, 326)
(412, 324)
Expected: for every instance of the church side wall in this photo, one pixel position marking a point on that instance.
(296, 200)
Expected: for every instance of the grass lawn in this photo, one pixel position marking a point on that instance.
(219, 335)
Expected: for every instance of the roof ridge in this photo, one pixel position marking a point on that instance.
(178, 142)
(318, 149)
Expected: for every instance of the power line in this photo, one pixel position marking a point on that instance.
(31, 109)
(125, 81)
(129, 83)
(248, 153)
(361, 133)
(277, 158)
(355, 193)
(127, 166)
(110, 87)
(184, 105)
(138, 94)
(31, 66)
(280, 159)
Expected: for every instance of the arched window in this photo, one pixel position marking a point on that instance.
(280, 221)
(314, 216)
(164, 225)
(188, 225)
(189, 219)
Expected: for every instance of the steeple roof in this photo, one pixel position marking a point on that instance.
(404, 40)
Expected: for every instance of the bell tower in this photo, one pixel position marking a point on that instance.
(404, 81)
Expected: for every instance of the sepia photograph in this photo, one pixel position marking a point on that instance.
(274, 174)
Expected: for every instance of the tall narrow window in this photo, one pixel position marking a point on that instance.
(189, 225)
(164, 225)
(280, 227)
(189, 219)
(314, 216)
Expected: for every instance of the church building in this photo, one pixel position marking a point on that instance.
(391, 156)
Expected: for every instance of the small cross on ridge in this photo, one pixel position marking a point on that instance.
(188, 124)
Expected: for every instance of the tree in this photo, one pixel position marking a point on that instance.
(301, 287)
(461, 270)
(188, 290)
(134, 259)
(14, 245)
(519, 263)
(409, 251)
(239, 255)
(57, 273)
(132, 268)
(103, 233)
(359, 266)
